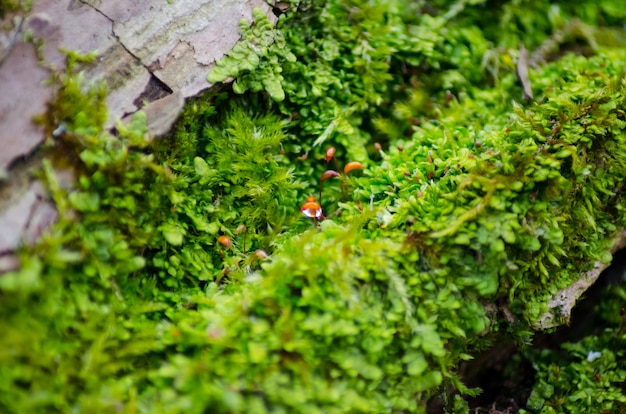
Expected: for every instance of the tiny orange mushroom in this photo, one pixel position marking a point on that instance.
(329, 174)
(224, 241)
(325, 176)
(259, 254)
(330, 153)
(311, 208)
(352, 166)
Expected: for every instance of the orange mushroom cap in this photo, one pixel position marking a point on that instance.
(352, 166)
(330, 153)
(329, 174)
(224, 241)
(311, 208)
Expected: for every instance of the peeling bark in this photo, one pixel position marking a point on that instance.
(561, 305)
(176, 44)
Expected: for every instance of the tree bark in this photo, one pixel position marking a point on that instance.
(151, 54)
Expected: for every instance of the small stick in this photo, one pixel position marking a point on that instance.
(522, 74)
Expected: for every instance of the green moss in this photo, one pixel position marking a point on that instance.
(10, 6)
(135, 301)
(585, 376)
(251, 62)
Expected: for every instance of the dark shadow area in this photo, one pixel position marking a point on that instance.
(154, 90)
(506, 378)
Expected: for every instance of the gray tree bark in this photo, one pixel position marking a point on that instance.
(152, 54)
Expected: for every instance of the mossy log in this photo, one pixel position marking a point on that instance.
(202, 272)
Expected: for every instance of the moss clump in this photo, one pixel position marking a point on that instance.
(10, 6)
(586, 375)
(469, 200)
(583, 377)
(256, 60)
